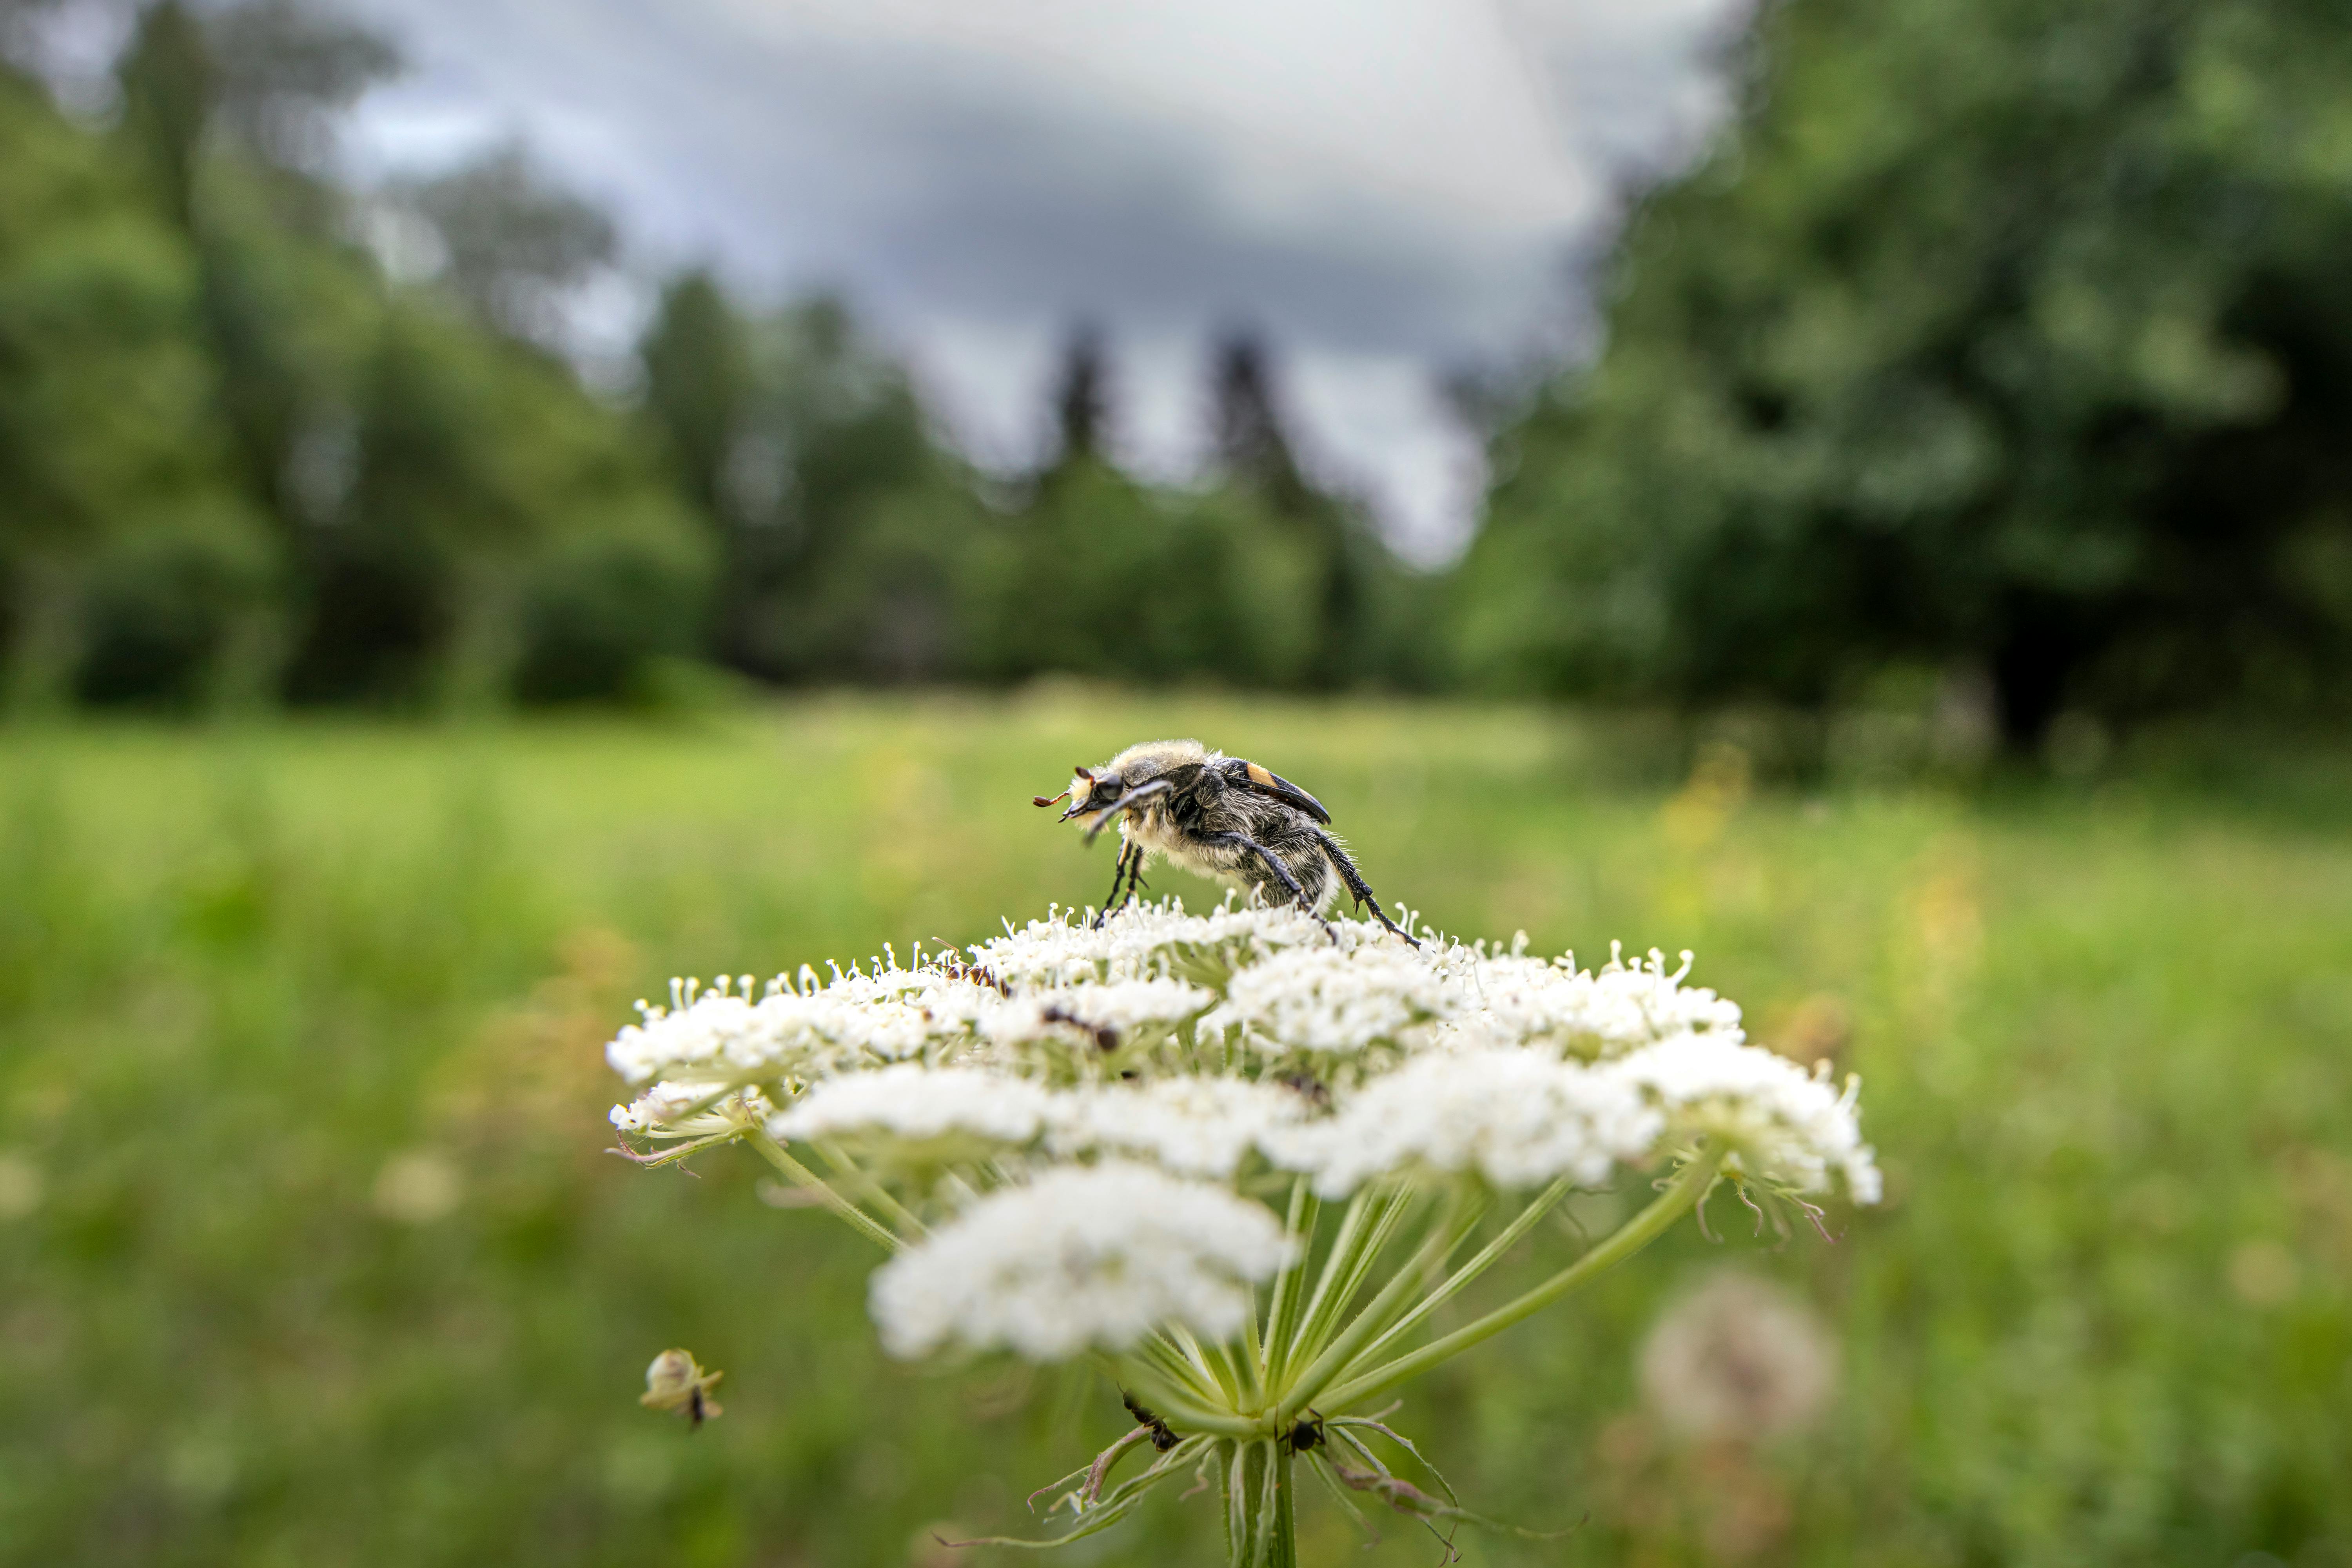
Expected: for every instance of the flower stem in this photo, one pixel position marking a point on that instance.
(1681, 1194)
(1283, 1550)
(1461, 1277)
(1343, 1349)
(1262, 1525)
(874, 1192)
(1282, 1313)
(801, 1175)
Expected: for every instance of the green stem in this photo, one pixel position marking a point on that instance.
(1189, 1360)
(1282, 1315)
(1342, 1252)
(1348, 1347)
(1194, 1381)
(1262, 1525)
(1484, 1259)
(1384, 1226)
(1283, 1551)
(1371, 1221)
(1445, 1239)
(801, 1175)
(1342, 1351)
(1681, 1194)
(1253, 1360)
(872, 1190)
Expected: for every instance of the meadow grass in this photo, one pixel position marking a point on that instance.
(310, 1253)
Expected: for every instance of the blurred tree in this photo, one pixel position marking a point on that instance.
(846, 529)
(702, 391)
(698, 388)
(1082, 395)
(235, 117)
(171, 84)
(1998, 335)
(110, 446)
(872, 519)
(515, 243)
(506, 536)
(286, 70)
(312, 477)
(1101, 576)
(1247, 426)
(1070, 568)
(1353, 577)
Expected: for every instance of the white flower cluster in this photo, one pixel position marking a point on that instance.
(1339, 1000)
(1518, 1118)
(1075, 1112)
(1524, 1001)
(1781, 1123)
(800, 1028)
(1084, 1256)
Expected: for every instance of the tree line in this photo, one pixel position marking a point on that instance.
(264, 440)
(1993, 341)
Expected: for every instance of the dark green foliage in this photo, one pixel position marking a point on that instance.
(699, 390)
(171, 85)
(2009, 335)
(493, 501)
(869, 518)
(1255, 579)
(236, 463)
(113, 482)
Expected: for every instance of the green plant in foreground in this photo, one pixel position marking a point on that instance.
(1235, 1159)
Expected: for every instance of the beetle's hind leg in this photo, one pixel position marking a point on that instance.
(1282, 873)
(1357, 889)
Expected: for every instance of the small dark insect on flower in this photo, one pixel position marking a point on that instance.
(1162, 1439)
(1223, 816)
(1308, 1087)
(1105, 1037)
(1307, 1436)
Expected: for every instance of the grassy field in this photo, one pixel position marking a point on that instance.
(309, 1253)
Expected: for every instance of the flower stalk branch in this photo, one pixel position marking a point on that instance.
(1681, 1194)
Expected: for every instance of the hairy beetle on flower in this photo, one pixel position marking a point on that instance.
(1224, 818)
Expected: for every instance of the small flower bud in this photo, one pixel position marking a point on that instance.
(675, 1383)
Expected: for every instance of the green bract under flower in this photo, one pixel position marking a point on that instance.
(1076, 1135)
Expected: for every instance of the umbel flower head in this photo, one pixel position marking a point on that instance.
(1119, 1137)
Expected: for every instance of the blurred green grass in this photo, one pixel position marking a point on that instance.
(309, 1253)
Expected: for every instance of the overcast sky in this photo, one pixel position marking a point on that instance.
(1388, 188)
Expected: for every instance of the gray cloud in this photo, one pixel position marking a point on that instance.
(973, 191)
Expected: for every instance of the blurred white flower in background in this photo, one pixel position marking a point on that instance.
(417, 1187)
(1738, 1358)
(21, 1186)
